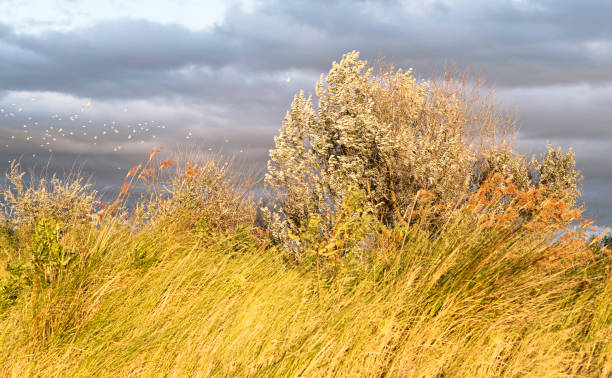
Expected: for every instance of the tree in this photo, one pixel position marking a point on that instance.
(391, 135)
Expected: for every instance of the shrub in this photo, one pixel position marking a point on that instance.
(557, 172)
(191, 194)
(22, 205)
(354, 224)
(41, 264)
(45, 259)
(391, 136)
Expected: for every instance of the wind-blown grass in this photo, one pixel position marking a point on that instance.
(185, 284)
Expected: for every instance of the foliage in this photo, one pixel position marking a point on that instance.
(45, 258)
(43, 263)
(194, 190)
(557, 172)
(8, 240)
(71, 201)
(391, 135)
(354, 222)
(607, 241)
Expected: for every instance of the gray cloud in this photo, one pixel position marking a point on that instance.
(540, 43)
(576, 112)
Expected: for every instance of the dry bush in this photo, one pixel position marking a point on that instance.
(186, 190)
(557, 172)
(210, 188)
(391, 136)
(71, 201)
(41, 220)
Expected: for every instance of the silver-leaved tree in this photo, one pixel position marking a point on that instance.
(390, 135)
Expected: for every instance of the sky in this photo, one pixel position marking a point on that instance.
(102, 82)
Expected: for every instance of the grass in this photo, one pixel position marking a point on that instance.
(186, 284)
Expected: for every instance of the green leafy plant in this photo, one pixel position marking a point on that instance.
(45, 259)
(48, 258)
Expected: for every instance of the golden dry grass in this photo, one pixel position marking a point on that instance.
(184, 285)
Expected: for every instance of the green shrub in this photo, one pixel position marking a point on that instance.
(10, 288)
(45, 260)
(355, 222)
(39, 265)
